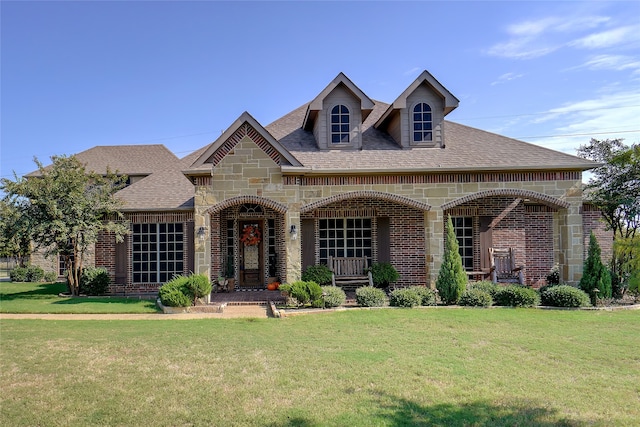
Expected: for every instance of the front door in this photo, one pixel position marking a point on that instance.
(251, 257)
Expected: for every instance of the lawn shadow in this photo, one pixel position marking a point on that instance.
(43, 290)
(295, 422)
(404, 412)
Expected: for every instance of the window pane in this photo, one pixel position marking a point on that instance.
(417, 136)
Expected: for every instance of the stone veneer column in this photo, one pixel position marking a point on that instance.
(571, 242)
(434, 238)
(294, 260)
(202, 248)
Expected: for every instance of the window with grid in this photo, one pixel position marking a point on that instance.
(422, 123)
(345, 237)
(463, 227)
(339, 124)
(158, 252)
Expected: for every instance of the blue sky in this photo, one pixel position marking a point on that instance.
(79, 74)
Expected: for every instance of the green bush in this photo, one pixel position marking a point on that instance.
(564, 296)
(486, 286)
(595, 275)
(306, 293)
(199, 286)
(452, 279)
(383, 274)
(94, 281)
(334, 296)
(427, 296)
(34, 274)
(175, 293)
(475, 297)
(517, 296)
(18, 274)
(50, 276)
(321, 274)
(405, 297)
(368, 296)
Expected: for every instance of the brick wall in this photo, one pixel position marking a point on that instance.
(592, 221)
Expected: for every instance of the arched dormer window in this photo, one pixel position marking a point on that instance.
(422, 123)
(340, 128)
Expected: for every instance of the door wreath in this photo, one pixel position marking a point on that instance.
(250, 235)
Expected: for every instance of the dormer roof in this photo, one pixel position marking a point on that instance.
(206, 159)
(366, 104)
(450, 101)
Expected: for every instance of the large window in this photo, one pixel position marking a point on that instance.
(422, 123)
(463, 227)
(158, 252)
(345, 237)
(340, 125)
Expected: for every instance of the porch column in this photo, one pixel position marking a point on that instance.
(202, 244)
(434, 242)
(292, 240)
(571, 256)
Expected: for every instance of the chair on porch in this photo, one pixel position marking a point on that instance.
(503, 266)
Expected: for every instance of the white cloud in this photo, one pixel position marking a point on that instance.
(612, 62)
(608, 38)
(524, 48)
(506, 77)
(413, 71)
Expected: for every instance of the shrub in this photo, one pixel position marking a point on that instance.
(306, 293)
(333, 296)
(405, 297)
(18, 274)
(175, 293)
(475, 297)
(50, 276)
(427, 296)
(517, 296)
(383, 274)
(34, 274)
(564, 296)
(94, 281)
(452, 279)
(368, 296)
(199, 286)
(553, 278)
(321, 274)
(486, 286)
(595, 275)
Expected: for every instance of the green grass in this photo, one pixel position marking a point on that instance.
(438, 366)
(43, 298)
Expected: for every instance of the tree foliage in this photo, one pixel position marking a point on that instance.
(452, 279)
(615, 190)
(67, 207)
(595, 275)
(15, 236)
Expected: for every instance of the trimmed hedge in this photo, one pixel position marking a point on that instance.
(321, 274)
(564, 296)
(175, 292)
(18, 274)
(50, 276)
(383, 274)
(334, 296)
(304, 292)
(427, 295)
(199, 286)
(486, 286)
(475, 297)
(30, 273)
(94, 281)
(368, 296)
(517, 296)
(405, 297)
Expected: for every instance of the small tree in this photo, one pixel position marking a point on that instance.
(67, 207)
(15, 235)
(595, 275)
(452, 279)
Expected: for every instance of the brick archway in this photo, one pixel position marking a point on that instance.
(240, 200)
(514, 192)
(377, 195)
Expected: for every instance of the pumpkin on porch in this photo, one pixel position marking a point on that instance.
(273, 286)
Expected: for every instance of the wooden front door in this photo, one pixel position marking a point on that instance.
(251, 254)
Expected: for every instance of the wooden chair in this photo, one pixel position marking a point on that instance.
(503, 266)
(349, 272)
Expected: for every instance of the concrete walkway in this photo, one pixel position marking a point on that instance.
(230, 312)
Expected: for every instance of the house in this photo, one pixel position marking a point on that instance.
(345, 175)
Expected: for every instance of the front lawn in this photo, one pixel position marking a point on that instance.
(43, 298)
(437, 366)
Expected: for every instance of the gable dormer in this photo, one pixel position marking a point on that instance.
(416, 117)
(335, 116)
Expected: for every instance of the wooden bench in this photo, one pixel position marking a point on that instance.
(349, 273)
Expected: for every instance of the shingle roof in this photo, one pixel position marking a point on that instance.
(467, 149)
(163, 187)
